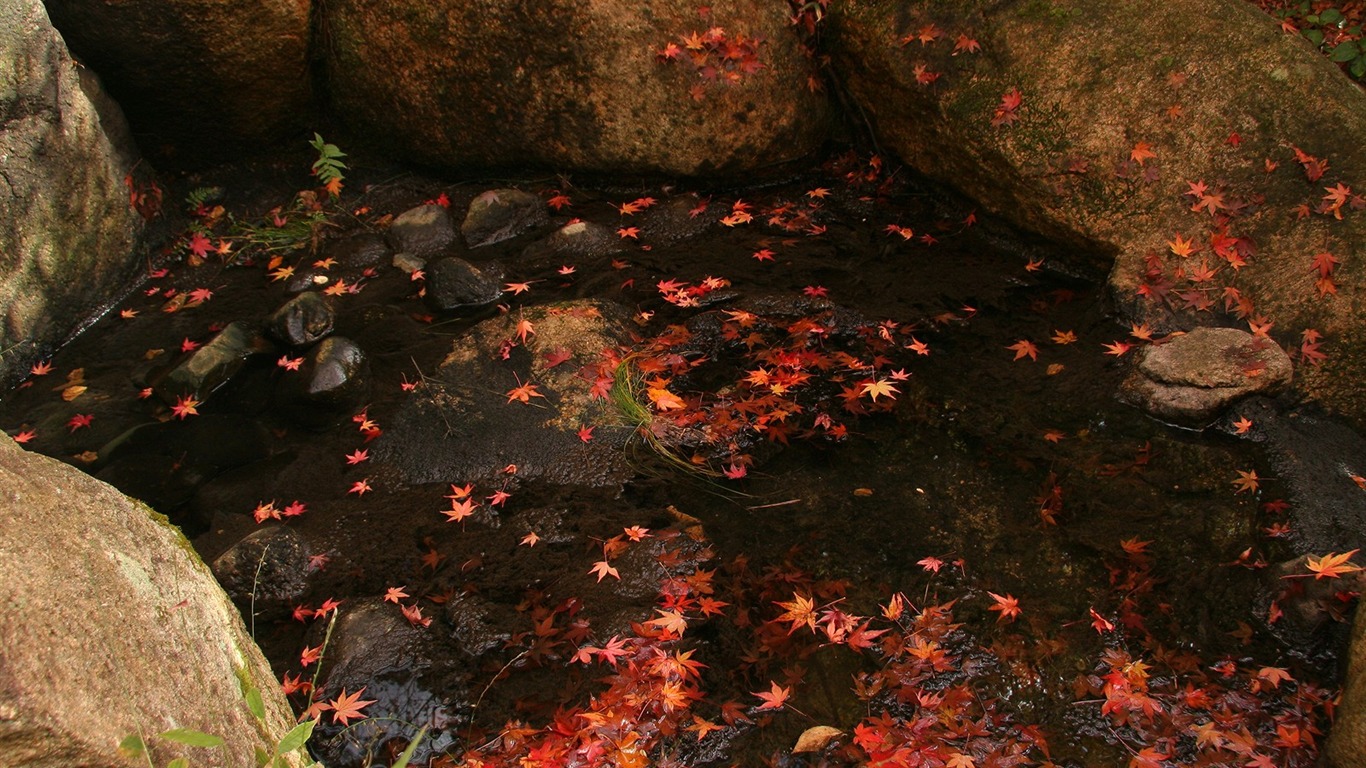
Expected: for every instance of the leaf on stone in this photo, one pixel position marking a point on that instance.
(815, 738)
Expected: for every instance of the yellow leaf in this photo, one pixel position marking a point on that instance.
(815, 738)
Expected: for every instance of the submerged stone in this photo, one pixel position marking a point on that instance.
(359, 251)
(266, 572)
(454, 284)
(424, 231)
(333, 380)
(502, 214)
(214, 364)
(302, 320)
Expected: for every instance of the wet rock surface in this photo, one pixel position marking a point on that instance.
(501, 214)
(424, 231)
(1190, 378)
(465, 423)
(455, 285)
(302, 320)
(266, 572)
(333, 381)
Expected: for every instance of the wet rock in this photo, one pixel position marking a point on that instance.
(359, 252)
(374, 648)
(308, 279)
(333, 380)
(455, 284)
(200, 76)
(424, 231)
(464, 426)
(408, 262)
(156, 480)
(571, 86)
(579, 239)
(267, 571)
(679, 218)
(1060, 162)
(168, 644)
(1316, 458)
(302, 320)
(473, 625)
(67, 231)
(502, 214)
(1190, 378)
(212, 365)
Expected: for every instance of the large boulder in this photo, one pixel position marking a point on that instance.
(1347, 741)
(574, 85)
(113, 626)
(1174, 142)
(67, 232)
(197, 77)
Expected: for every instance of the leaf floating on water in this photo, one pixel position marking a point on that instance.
(72, 392)
(816, 738)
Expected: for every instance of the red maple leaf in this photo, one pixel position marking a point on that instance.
(185, 406)
(774, 698)
(360, 487)
(1008, 606)
(80, 421)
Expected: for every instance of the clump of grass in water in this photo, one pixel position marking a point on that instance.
(625, 395)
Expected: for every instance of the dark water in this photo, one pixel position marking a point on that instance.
(979, 453)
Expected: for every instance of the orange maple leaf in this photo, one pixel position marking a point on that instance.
(523, 392)
(800, 611)
(345, 707)
(665, 400)
(880, 387)
(1142, 152)
(1332, 565)
(1008, 605)
(1246, 481)
(1024, 348)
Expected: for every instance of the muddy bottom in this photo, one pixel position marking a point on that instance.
(1002, 510)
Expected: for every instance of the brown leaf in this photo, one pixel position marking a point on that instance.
(815, 738)
(72, 392)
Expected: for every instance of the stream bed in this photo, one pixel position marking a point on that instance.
(939, 535)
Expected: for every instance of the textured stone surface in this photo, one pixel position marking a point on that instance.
(1098, 80)
(197, 78)
(1190, 378)
(83, 567)
(570, 85)
(67, 233)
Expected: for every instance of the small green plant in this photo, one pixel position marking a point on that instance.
(134, 744)
(1335, 32)
(328, 167)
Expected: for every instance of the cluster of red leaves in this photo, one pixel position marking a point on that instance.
(1219, 715)
(715, 56)
(651, 685)
(144, 195)
(784, 378)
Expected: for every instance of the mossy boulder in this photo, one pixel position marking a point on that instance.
(67, 232)
(114, 626)
(1125, 130)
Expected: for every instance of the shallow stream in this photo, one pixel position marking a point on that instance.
(1000, 470)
